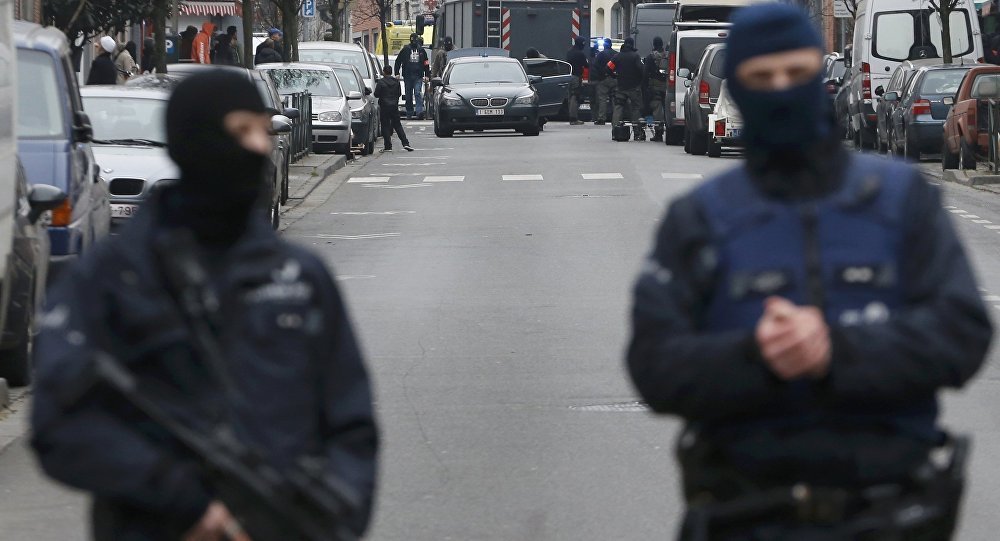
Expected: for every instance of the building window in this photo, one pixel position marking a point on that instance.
(599, 28)
(616, 21)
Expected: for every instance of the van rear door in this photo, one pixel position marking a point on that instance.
(691, 46)
(912, 34)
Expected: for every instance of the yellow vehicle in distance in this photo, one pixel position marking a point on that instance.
(397, 33)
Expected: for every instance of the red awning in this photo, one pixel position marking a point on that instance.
(209, 9)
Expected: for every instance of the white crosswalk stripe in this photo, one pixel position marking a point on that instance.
(366, 180)
(445, 179)
(601, 176)
(522, 177)
(681, 176)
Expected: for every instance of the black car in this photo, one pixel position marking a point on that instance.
(884, 108)
(918, 118)
(485, 93)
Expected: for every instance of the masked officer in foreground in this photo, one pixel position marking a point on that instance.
(296, 383)
(800, 312)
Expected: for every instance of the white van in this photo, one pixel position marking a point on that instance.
(889, 32)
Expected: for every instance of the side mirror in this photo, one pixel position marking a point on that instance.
(43, 198)
(880, 90)
(83, 131)
(948, 100)
(292, 113)
(368, 91)
(687, 83)
(890, 96)
(684, 73)
(281, 124)
(354, 95)
(534, 79)
(436, 82)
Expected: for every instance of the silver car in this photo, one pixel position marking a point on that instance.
(331, 112)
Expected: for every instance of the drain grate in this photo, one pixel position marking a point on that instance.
(622, 407)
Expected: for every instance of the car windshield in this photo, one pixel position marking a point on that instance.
(123, 120)
(348, 80)
(942, 81)
(486, 72)
(913, 34)
(334, 56)
(986, 86)
(317, 82)
(41, 116)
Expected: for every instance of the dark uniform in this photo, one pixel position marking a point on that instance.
(578, 60)
(604, 83)
(282, 327)
(824, 455)
(388, 91)
(628, 71)
(656, 85)
(412, 63)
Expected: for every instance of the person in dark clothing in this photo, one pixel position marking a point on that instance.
(266, 53)
(532, 53)
(578, 60)
(626, 67)
(131, 47)
(187, 43)
(292, 385)
(275, 36)
(148, 63)
(801, 312)
(412, 63)
(655, 77)
(388, 91)
(605, 83)
(103, 70)
(223, 50)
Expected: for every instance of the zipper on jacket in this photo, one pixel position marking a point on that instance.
(815, 292)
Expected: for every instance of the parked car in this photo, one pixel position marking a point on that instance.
(884, 108)
(331, 116)
(553, 88)
(918, 119)
(889, 32)
(486, 94)
(336, 52)
(54, 135)
(840, 99)
(24, 243)
(725, 125)
(364, 112)
(703, 86)
(966, 130)
(689, 44)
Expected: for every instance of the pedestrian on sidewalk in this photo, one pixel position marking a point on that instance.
(388, 91)
(578, 60)
(801, 312)
(125, 62)
(414, 66)
(201, 48)
(266, 53)
(102, 69)
(286, 378)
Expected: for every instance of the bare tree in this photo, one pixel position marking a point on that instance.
(289, 10)
(332, 12)
(945, 8)
(380, 10)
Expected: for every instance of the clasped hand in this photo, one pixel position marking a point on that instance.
(794, 340)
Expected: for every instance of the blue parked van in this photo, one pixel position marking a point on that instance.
(54, 137)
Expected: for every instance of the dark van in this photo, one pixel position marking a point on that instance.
(54, 137)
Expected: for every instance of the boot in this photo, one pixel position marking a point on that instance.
(640, 134)
(657, 135)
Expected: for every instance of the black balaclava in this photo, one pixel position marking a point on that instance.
(657, 43)
(787, 133)
(221, 181)
(449, 43)
(414, 40)
(628, 44)
(580, 42)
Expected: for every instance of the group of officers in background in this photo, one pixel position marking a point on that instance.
(636, 85)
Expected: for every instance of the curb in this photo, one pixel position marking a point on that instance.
(970, 178)
(4, 394)
(314, 175)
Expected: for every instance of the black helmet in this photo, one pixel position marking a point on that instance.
(657, 42)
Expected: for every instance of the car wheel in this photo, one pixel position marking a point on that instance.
(284, 184)
(275, 215)
(698, 143)
(687, 140)
(674, 136)
(949, 160)
(531, 131)
(910, 151)
(967, 158)
(443, 132)
(714, 149)
(15, 361)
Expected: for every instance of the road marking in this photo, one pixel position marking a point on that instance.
(969, 216)
(444, 179)
(981, 222)
(601, 176)
(991, 298)
(681, 176)
(355, 276)
(396, 186)
(359, 180)
(382, 213)
(957, 211)
(422, 157)
(521, 177)
(412, 164)
(992, 226)
(354, 237)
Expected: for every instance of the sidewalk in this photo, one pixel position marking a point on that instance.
(309, 172)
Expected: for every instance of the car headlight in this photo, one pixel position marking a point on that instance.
(330, 116)
(451, 100)
(356, 115)
(530, 99)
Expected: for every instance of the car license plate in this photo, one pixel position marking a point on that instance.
(124, 211)
(584, 106)
(489, 112)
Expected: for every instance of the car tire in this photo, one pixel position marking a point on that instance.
(949, 160)
(443, 132)
(910, 151)
(531, 131)
(714, 149)
(698, 143)
(687, 140)
(275, 215)
(674, 136)
(284, 184)
(15, 361)
(967, 158)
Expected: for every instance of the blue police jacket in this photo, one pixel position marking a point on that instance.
(293, 358)
(877, 254)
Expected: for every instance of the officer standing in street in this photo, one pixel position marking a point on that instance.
(288, 376)
(627, 69)
(412, 63)
(577, 58)
(605, 84)
(656, 85)
(801, 312)
(441, 56)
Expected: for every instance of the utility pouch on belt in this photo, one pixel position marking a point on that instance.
(724, 503)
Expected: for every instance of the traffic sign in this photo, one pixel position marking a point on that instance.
(840, 10)
(309, 8)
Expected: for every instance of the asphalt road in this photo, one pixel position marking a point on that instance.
(489, 279)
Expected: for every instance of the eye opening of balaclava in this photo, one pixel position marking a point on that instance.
(221, 181)
(788, 120)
